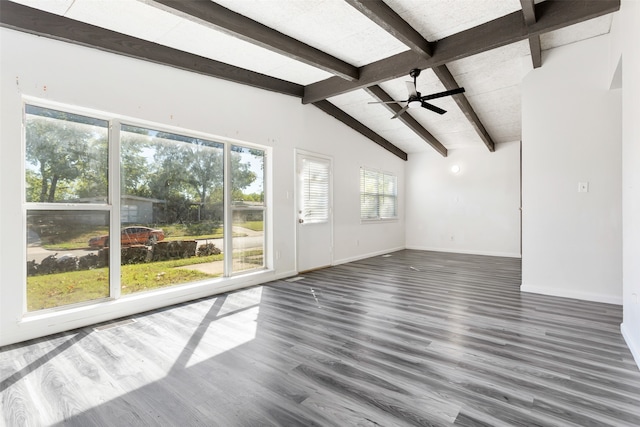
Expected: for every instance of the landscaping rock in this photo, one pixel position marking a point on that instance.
(32, 268)
(137, 254)
(178, 249)
(66, 263)
(88, 262)
(208, 249)
(48, 265)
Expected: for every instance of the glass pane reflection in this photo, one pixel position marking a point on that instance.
(61, 266)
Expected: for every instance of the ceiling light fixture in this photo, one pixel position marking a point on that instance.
(455, 168)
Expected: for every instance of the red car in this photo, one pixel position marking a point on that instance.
(130, 236)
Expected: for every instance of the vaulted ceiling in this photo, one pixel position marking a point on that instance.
(341, 55)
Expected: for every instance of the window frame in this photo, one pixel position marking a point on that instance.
(379, 174)
(112, 204)
(107, 206)
(234, 207)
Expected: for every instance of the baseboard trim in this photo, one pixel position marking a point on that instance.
(634, 346)
(563, 293)
(367, 255)
(466, 251)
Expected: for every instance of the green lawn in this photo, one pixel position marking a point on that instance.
(252, 225)
(53, 290)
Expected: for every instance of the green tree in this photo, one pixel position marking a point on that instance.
(190, 167)
(135, 168)
(242, 176)
(60, 152)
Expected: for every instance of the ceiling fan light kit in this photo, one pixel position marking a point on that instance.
(416, 100)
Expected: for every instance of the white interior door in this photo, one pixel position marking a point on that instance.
(314, 226)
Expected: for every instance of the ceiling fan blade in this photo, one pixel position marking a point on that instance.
(411, 88)
(401, 111)
(441, 94)
(433, 108)
(387, 102)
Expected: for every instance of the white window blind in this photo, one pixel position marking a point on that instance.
(378, 195)
(315, 190)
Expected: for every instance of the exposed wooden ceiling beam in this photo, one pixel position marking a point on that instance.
(222, 19)
(382, 96)
(389, 20)
(551, 15)
(449, 83)
(529, 13)
(34, 21)
(536, 51)
(337, 113)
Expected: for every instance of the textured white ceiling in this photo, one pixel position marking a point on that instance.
(576, 32)
(436, 19)
(491, 79)
(492, 83)
(329, 25)
(59, 7)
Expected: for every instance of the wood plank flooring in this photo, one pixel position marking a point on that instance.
(415, 338)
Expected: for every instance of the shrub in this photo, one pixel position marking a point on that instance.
(208, 249)
(202, 228)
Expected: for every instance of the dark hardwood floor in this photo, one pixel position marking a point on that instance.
(415, 338)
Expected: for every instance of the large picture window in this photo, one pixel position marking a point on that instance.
(158, 216)
(378, 195)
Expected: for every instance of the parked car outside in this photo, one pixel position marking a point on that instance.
(130, 236)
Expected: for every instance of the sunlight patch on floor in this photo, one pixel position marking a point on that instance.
(234, 325)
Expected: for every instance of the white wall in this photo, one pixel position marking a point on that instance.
(473, 211)
(571, 133)
(629, 28)
(88, 78)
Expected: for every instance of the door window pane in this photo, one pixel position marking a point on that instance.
(171, 208)
(314, 187)
(65, 157)
(61, 266)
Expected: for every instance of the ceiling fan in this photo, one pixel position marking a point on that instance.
(416, 99)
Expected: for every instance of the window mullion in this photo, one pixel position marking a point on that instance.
(227, 209)
(114, 201)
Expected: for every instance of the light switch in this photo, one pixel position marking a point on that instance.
(583, 187)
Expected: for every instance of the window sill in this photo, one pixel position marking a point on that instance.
(378, 220)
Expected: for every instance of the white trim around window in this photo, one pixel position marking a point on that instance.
(378, 195)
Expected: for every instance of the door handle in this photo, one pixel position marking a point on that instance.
(301, 220)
